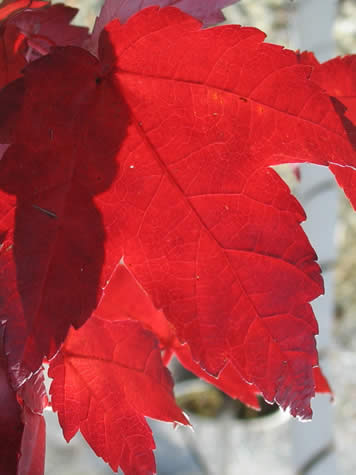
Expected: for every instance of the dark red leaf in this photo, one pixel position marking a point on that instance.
(11, 424)
(107, 377)
(54, 276)
(22, 427)
(33, 397)
(33, 445)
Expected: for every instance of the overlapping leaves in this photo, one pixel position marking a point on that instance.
(163, 160)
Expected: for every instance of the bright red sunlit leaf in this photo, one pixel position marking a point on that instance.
(210, 231)
(107, 377)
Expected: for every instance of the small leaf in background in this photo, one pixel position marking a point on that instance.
(207, 11)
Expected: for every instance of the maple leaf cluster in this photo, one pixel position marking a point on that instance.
(140, 218)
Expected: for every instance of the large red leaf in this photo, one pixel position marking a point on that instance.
(53, 235)
(209, 231)
(107, 377)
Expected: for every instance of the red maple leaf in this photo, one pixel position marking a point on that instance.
(107, 377)
(208, 229)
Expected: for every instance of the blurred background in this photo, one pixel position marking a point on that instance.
(228, 438)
